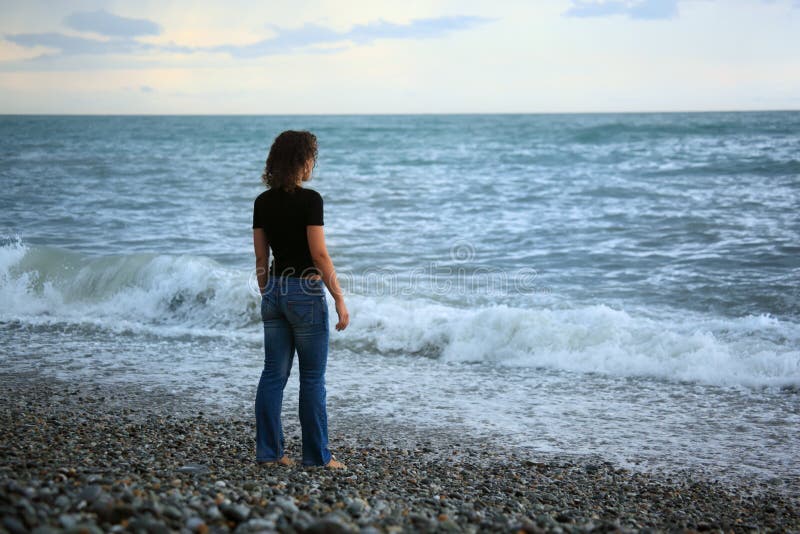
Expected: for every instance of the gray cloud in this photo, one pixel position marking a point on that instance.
(635, 9)
(111, 25)
(306, 38)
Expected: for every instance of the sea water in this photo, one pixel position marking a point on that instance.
(626, 286)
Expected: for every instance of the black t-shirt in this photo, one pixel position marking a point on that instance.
(284, 217)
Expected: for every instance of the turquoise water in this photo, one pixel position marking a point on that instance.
(611, 279)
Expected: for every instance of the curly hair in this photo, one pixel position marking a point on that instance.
(289, 153)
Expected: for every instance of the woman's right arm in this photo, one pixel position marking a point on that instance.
(323, 262)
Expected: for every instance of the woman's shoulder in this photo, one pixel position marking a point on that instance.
(310, 196)
(310, 192)
(263, 195)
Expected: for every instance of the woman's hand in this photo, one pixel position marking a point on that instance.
(344, 316)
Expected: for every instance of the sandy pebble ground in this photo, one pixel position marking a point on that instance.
(84, 457)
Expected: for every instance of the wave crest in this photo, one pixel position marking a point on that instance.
(196, 295)
(42, 283)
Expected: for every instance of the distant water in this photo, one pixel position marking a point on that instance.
(621, 285)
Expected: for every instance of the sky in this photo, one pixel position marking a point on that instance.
(431, 56)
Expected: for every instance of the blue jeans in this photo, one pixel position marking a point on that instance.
(295, 315)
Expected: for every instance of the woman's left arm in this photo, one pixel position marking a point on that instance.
(261, 246)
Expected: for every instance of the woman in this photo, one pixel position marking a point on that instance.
(287, 218)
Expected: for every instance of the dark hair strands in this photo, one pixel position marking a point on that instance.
(287, 157)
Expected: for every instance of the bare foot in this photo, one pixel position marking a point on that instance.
(284, 460)
(335, 464)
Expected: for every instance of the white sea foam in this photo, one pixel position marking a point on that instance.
(750, 351)
(191, 295)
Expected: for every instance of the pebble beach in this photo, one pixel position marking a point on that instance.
(94, 457)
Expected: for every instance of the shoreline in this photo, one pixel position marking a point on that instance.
(114, 457)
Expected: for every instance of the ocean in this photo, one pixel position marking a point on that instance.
(624, 286)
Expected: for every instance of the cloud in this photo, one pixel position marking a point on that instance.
(111, 25)
(120, 36)
(146, 89)
(416, 29)
(635, 9)
(121, 33)
(285, 40)
(309, 35)
(71, 45)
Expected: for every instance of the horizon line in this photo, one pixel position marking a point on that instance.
(627, 112)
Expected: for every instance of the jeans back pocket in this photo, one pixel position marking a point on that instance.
(300, 311)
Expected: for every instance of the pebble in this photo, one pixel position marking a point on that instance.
(90, 493)
(286, 504)
(329, 526)
(14, 525)
(194, 469)
(213, 513)
(196, 524)
(184, 473)
(255, 525)
(235, 512)
(357, 507)
(172, 512)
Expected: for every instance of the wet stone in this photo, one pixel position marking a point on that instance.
(194, 469)
(235, 512)
(90, 493)
(14, 525)
(195, 523)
